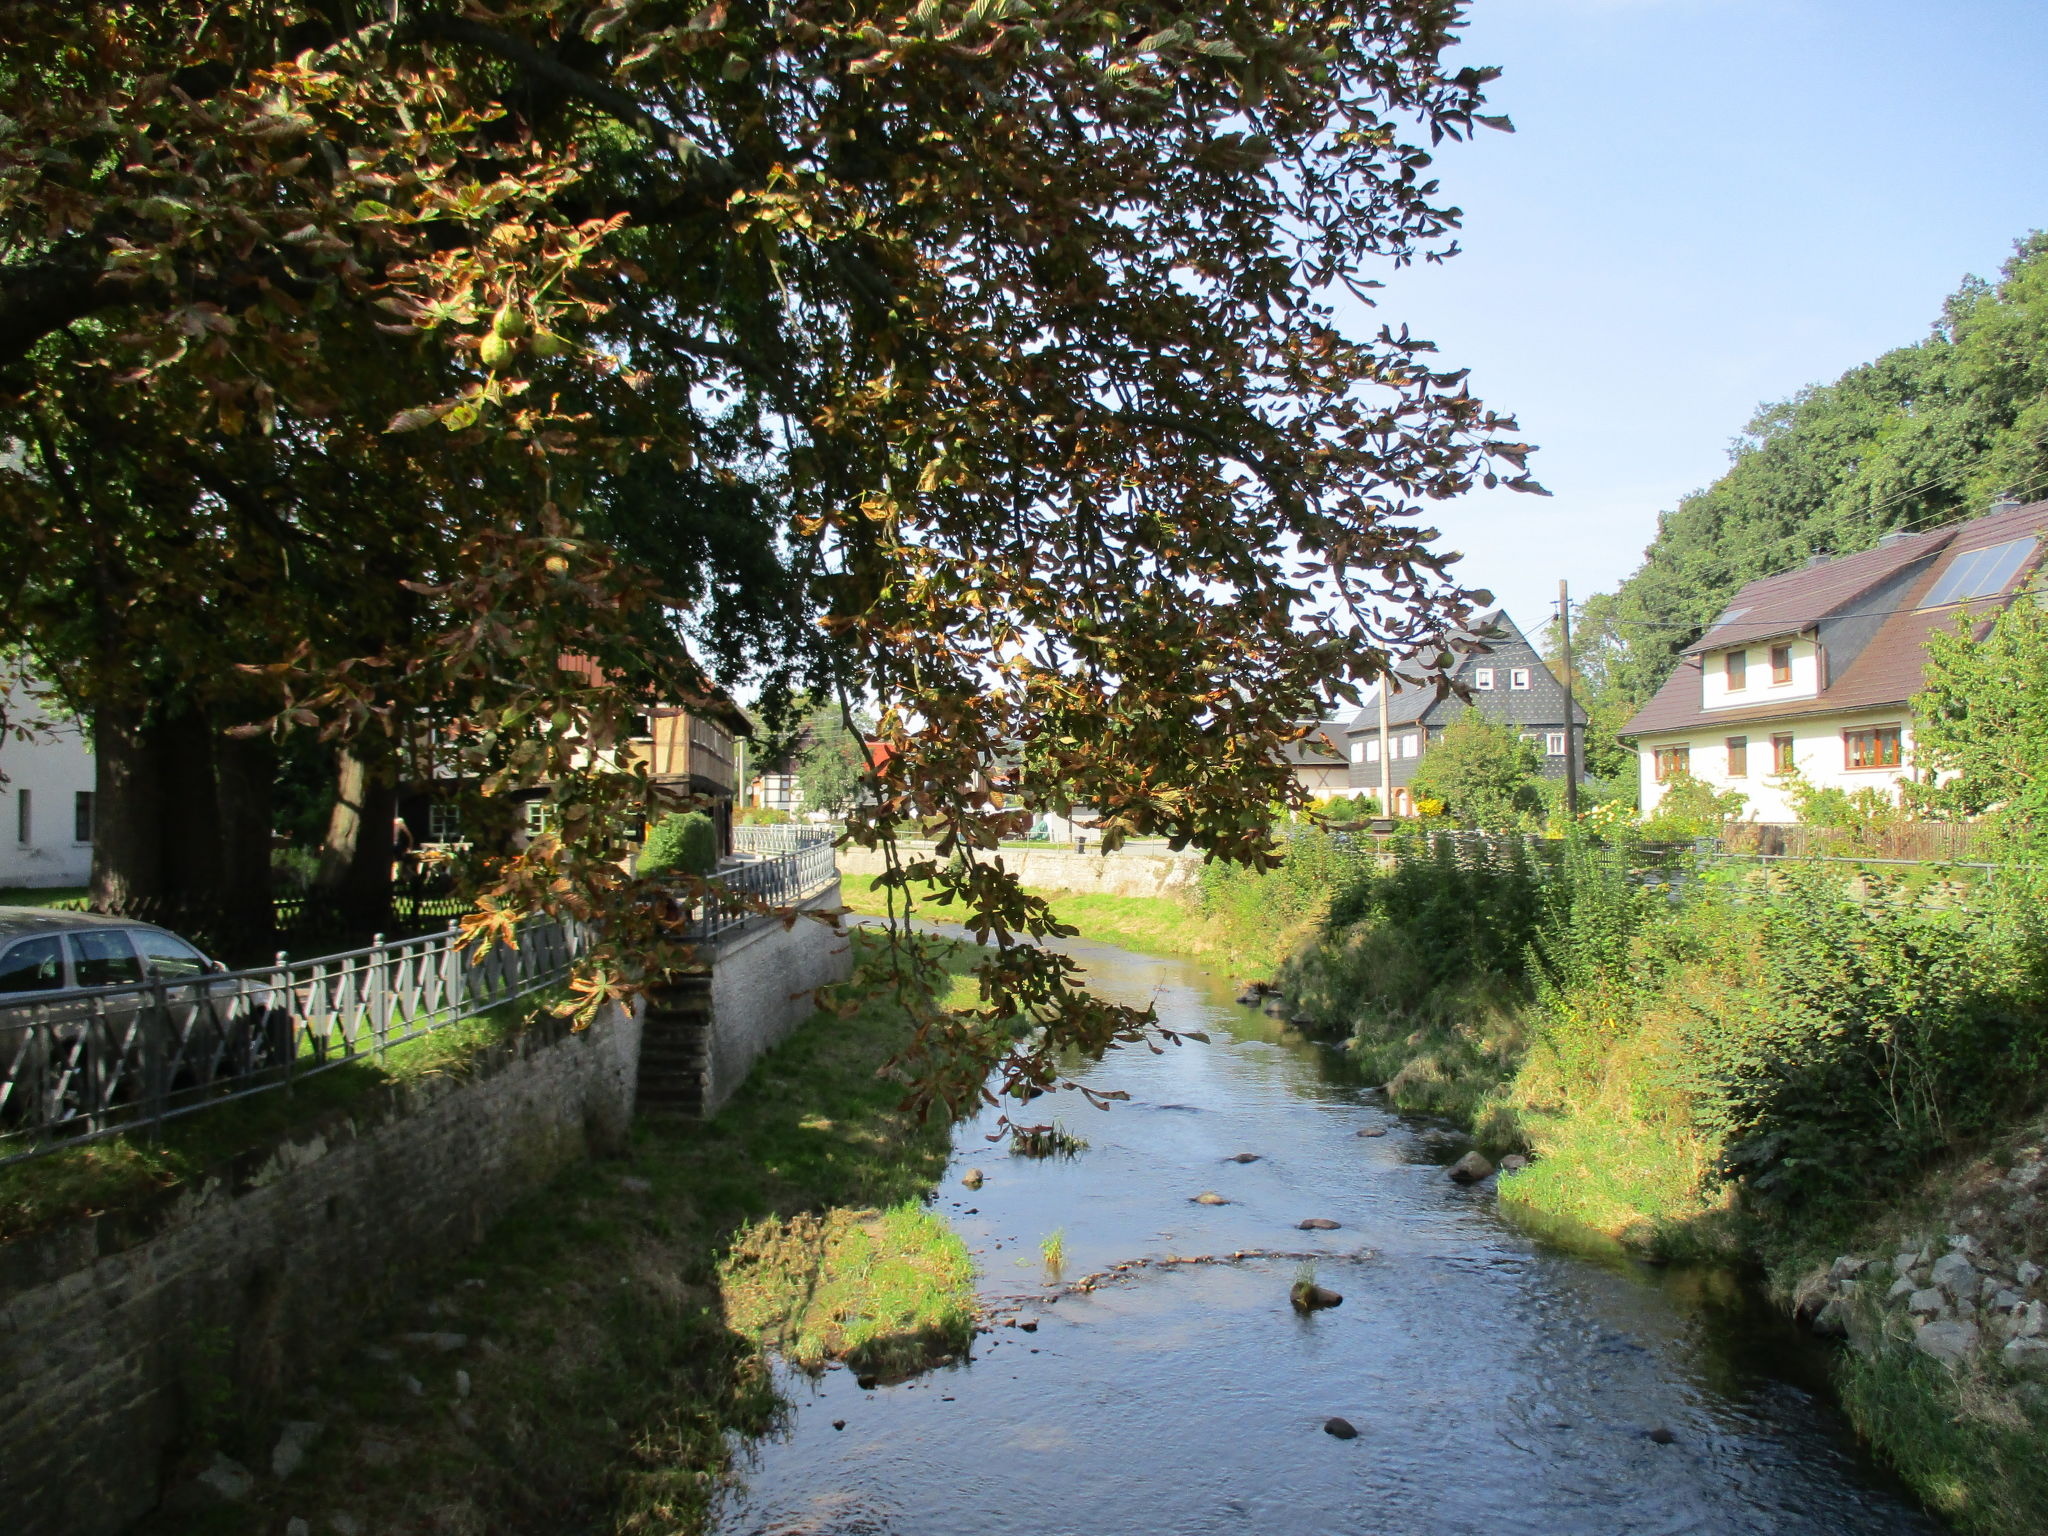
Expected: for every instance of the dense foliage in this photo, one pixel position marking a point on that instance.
(681, 843)
(1484, 772)
(1980, 739)
(832, 762)
(1925, 434)
(372, 357)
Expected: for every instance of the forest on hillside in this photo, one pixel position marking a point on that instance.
(1924, 435)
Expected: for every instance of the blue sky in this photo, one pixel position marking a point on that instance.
(1706, 204)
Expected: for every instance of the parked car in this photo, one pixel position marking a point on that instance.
(100, 1012)
(46, 951)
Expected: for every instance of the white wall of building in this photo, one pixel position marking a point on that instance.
(51, 770)
(1819, 752)
(1758, 687)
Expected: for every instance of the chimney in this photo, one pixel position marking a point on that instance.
(1896, 536)
(1814, 560)
(2004, 503)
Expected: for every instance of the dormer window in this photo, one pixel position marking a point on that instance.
(1736, 664)
(1518, 677)
(1482, 679)
(1781, 663)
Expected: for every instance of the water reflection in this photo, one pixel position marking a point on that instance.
(1497, 1385)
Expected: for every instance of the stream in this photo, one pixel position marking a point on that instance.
(1497, 1384)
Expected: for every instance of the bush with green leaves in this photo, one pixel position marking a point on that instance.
(1485, 772)
(1878, 1034)
(681, 843)
(1691, 808)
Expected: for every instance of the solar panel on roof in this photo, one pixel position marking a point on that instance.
(1980, 572)
(1728, 618)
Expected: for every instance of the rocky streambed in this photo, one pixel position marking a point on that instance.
(1254, 1299)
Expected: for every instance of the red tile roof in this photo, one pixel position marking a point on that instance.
(1887, 671)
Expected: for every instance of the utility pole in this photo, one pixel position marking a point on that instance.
(1571, 762)
(1386, 763)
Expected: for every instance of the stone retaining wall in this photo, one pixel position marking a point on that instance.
(125, 1338)
(1123, 873)
(702, 1034)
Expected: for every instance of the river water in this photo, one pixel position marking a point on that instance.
(1498, 1385)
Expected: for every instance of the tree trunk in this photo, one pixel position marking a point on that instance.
(190, 834)
(355, 863)
(127, 848)
(245, 773)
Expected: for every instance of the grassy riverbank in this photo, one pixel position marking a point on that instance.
(1790, 1070)
(1153, 925)
(617, 1326)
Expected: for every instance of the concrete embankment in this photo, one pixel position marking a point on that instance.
(1125, 872)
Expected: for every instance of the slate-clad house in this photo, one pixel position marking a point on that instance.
(1318, 759)
(1507, 683)
(1814, 671)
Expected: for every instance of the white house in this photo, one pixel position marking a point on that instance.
(46, 788)
(1814, 671)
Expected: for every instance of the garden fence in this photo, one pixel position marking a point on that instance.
(84, 1063)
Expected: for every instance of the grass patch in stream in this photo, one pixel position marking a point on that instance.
(619, 1321)
(885, 1291)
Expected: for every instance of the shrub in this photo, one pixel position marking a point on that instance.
(764, 816)
(1485, 773)
(683, 842)
(293, 870)
(1349, 807)
(1876, 1035)
(1690, 808)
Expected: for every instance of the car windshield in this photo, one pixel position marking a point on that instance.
(167, 955)
(104, 959)
(33, 965)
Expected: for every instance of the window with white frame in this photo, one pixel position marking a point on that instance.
(1482, 678)
(540, 818)
(1372, 749)
(1518, 678)
(1553, 743)
(444, 822)
(1358, 751)
(1410, 744)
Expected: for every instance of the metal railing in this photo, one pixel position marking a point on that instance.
(741, 889)
(749, 838)
(84, 1063)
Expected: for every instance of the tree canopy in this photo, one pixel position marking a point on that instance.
(1485, 773)
(373, 357)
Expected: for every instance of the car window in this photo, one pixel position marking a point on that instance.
(104, 959)
(167, 955)
(33, 965)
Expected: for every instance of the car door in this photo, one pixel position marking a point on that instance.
(30, 971)
(116, 1023)
(196, 1027)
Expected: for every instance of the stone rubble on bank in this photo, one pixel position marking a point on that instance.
(1965, 1295)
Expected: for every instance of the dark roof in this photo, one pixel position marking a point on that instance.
(1890, 668)
(1421, 688)
(1786, 604)
(1318, 749)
